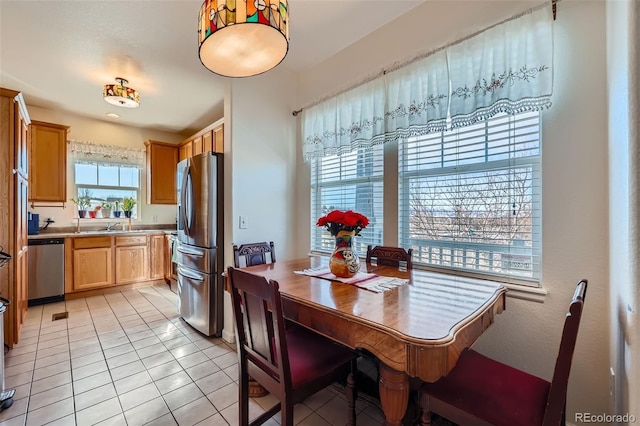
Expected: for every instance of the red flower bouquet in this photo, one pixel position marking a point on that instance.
(338, 220)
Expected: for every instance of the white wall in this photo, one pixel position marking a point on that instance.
(260, 166)
(107, 133)
(623, 27)
(575, 180)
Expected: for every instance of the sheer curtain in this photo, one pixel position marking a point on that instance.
(505, 68)
(90, 153)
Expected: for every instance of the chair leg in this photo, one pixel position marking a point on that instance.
(425, 419)
(243, 398)
(352, 393)
(286, 414)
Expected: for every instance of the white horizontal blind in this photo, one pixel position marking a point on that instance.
(469, 198)
(350, 181)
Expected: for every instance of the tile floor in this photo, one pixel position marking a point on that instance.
(128, 359)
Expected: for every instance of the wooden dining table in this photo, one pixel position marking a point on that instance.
(417, 329)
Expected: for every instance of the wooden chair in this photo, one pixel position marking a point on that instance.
(253, 254)
(391, 256)
(250, 255)
(292, 363)
(481, 391)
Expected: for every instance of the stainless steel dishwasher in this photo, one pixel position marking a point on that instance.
(46, 270)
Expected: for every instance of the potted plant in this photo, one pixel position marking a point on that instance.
(94, 212)
(116, 209)
(106, 209)
(83, 204)
(127, 206)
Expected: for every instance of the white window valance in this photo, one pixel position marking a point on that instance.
(506, 68)
(91, 153)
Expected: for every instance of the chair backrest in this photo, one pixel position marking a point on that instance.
(558, 391)
(260, 329)
(391, 256)
(253, 254)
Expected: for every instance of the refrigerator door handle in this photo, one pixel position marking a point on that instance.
(191, 276)
(196, 253)
(183, 198)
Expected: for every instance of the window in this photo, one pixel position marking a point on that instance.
(107, 183)
(469, 198)
(350, 181)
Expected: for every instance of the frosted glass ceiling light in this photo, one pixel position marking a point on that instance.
(241, 38)
(121, 95)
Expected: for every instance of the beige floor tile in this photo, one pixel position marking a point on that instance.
(147, 413)
(82, 336)
(25, 367)
(194, 412)
(58, 335)
(148, 341)
(69, 420)
(91, 382)
(118, 420)
(215, 420)
(118, 350)
(231, 413)
(127, 370)
(217, 351)
(51, 370)
(173, 382)
(165, 370)
(87, 359)
(182, 351)
(121, 360)
(14, 421)
(50, 412)
(132, 382)
(193, 359)
(51, 382)
(224, 397)
(94, 396)
(44, 353)
(335, 411)
(138, 396)
(227, 360)
(176, 340)
(99, 412)
(89, 370)
(232, 371)
(18, 379)
(10, 361)
(213, 382)
(182, 396)
(24, 348)
(151, 350)
(143, 333)
(158, 359)
(18, 408)
(203, 369)
(53, 359)
(112, 343)
(166, 420)
(50, 396)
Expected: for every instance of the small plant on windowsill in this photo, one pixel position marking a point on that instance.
(116, 209)
(127, 206)
(83, 204)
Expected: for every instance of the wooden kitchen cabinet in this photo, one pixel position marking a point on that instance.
(156, 256)
(132, 259)
(14, 168)
(162, 159)
(218, 138)
(207, 142)
(186, 150)
(196, 146)
(92, 263)
(48, 163)
(209, 139)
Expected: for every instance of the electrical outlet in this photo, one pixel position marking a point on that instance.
(244, 222)
(154, 218)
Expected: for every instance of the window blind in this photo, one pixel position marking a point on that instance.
(350, 181)
(469, 198)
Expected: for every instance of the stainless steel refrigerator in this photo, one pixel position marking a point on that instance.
(200, 242)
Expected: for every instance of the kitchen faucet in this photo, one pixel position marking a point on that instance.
(109, 225)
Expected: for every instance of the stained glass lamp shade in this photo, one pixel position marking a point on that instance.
(241, 38)
(121, 95)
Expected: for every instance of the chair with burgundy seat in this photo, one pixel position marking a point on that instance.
(481, 391)
(253, 254)
(292, 363)
(391, 256)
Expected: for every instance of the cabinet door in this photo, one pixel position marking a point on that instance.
(92, 268)
(167, 258)
(207, 142)
(22, 143)
(162, 160)
(197, 146)
(188, 149)
(131, 264)
(156, 257)
(218, 138)
(183, 152)
(48, 162)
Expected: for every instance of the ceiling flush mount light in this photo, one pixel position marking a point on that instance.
(241, 38)
(112, 115)
(121, 95)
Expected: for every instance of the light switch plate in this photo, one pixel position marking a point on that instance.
(244, 222)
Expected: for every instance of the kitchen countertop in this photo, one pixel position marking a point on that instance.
(92, 233)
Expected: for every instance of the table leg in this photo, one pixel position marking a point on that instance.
(394, 394)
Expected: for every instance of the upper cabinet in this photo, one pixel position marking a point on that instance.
(209, 139)
(48, 163)
(162, 159)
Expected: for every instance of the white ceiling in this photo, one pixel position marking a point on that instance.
(60, 54)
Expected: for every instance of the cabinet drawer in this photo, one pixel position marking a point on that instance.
(91, 242)
(131, 240)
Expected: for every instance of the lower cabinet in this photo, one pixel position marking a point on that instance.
(92, 268)
(105, 261)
